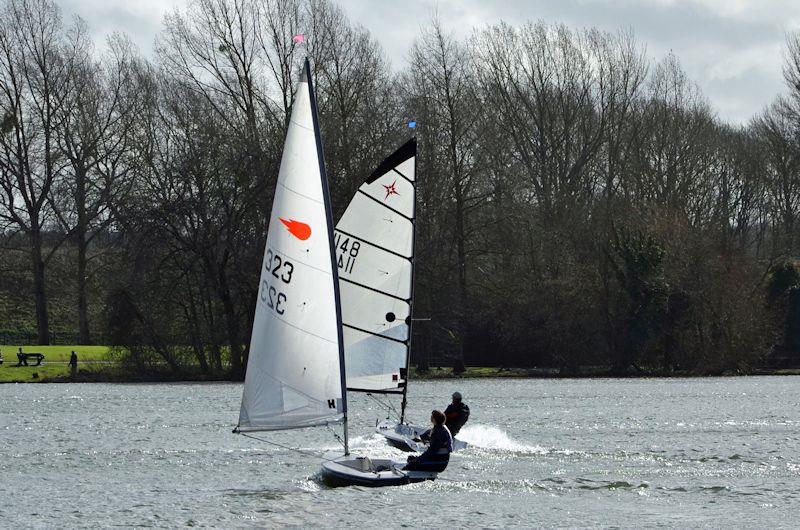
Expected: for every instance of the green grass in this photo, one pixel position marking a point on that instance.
(56, 353)
(54, 365)
(32, 374)
(471, 372)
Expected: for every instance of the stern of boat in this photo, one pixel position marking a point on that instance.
(352, 470)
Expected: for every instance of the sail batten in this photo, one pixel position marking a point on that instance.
(374, 240)
(372, 244)
(378, 201)
(374, 334)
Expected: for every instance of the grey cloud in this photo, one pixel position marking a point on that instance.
(701, 36)
(729, 49)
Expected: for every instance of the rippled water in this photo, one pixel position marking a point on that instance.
(627, 453)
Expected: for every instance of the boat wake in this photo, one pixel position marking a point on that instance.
(493, 438)
(373, 444)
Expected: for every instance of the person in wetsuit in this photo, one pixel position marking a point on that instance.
(437, 456)
(457, 414)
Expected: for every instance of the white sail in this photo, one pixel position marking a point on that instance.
(374, 251)
(293, 372)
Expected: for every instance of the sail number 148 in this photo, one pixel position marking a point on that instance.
(348, 252)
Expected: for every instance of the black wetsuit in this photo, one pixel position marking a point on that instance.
(457, 415)
(437, 456)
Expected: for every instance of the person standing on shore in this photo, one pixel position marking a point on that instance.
(73, 364)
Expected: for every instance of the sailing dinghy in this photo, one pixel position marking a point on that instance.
(296, 368)
(375, 256)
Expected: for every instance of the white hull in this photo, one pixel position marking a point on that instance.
(351, 470)
(402, 436)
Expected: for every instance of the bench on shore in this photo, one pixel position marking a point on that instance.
(22, 358)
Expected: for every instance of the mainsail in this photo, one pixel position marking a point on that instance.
(375, 252)
(294, 376)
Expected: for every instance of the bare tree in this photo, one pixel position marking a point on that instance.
(37, 63)
(440, 89)
(778, 129)
(94, 138)
(676, 151)
(358, 112)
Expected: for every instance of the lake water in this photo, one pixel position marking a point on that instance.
(544, 453)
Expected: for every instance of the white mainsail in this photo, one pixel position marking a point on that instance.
(293, 372)
(374, 251)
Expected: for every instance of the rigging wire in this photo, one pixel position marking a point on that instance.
(336, 436)
(295, 449)
(386, 404)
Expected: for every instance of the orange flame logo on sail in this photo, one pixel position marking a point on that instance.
(298, 229)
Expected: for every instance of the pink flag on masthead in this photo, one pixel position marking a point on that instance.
(299, 38)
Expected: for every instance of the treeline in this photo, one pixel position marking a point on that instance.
(578, 203)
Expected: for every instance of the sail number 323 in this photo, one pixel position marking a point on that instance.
(280, 269)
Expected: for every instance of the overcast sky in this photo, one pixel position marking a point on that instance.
(731, 48)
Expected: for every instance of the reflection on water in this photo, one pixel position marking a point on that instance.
(683, 453)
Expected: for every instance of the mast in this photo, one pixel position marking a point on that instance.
(334, 268)
(413, 275)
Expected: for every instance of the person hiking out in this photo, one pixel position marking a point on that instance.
(437, 456)
(457, 414)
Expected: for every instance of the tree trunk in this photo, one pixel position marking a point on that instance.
(40, 294)
(83, 305)
(232, 326)
(190, 313)
(80, 236)
(458, 365)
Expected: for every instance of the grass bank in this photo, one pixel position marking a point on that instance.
(56, 353)
(94, 364)
(475, 372)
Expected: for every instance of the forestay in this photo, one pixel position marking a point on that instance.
(293, 372)
(374, 249)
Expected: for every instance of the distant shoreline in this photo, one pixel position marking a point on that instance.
(104, 374)
(99, 364)
(585, 373)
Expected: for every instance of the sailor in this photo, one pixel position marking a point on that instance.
(437, 456)
(457, 414)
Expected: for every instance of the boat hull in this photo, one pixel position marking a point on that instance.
(350, 470)
(402, 436)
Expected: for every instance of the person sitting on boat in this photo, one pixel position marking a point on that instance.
(457, 414)
(437, 456)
